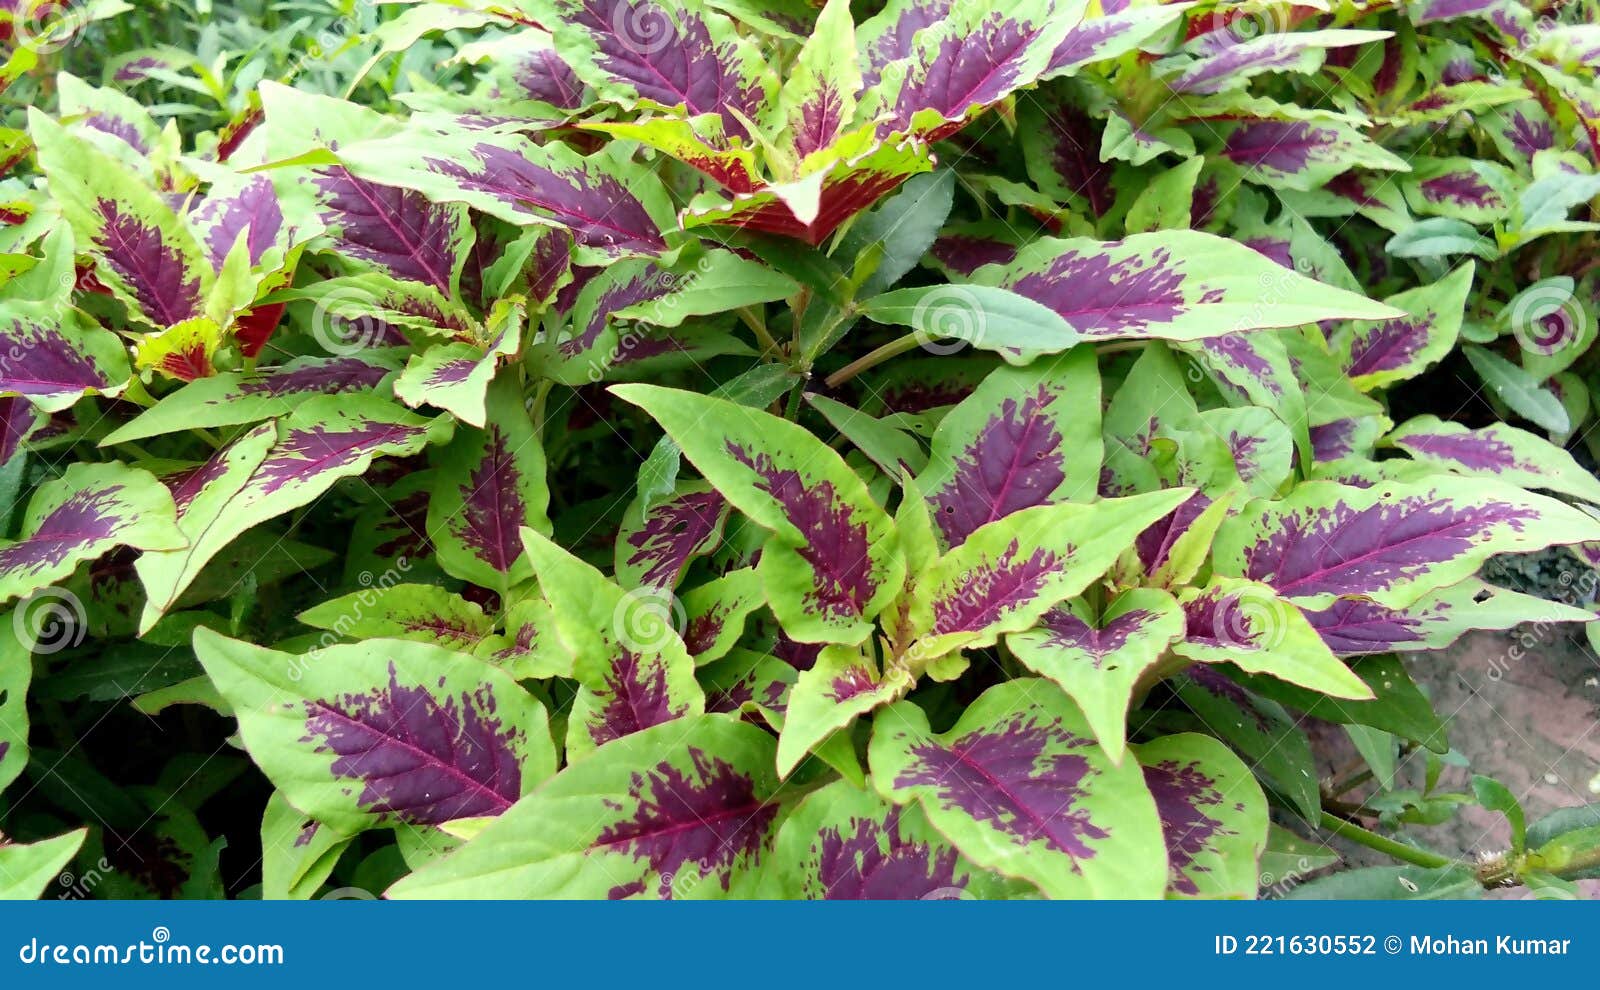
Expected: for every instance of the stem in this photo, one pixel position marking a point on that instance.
(1389, 847)
(758, 326)
(792, 411)
(893, 348)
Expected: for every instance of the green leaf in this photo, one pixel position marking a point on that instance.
(26, 871)
(298, 853)
(987, 317)
(1519, 390)
(1397, 706)
(1391, 883)
(1496, 796)
(1258, 730)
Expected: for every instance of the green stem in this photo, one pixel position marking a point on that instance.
(758, 326)
(893, 348)
(1389, 847)
(792, 411)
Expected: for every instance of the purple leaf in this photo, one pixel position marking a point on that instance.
(156, 272)
(252, 211)
(1155, 543)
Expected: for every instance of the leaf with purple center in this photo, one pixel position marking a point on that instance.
(325, 439)
(613, 208)
(1027, 436)
(455, 377)
(680, 56)
(1219, 60)
(1389, 351)
(843, 684)
(242, 208)
(1246, 624)
(115, 122)
(144, 253)
(1110, 34)
(684, 810)
(833, 563)
(425, 613)
(54, 358)
(715, 613)
(1213, 816)
(529, 649)
(1010, 572)
(491, 483)
(817, 102)
(1354, 627)
(393, 230)
(89, 510)
(1259, 443)
(628, 655)
(656, 545)
(1098, 662)
(383, 732)
(970, 59)
(1257, 369)
(1303, 154)
(1259, 730)
(1460, 188)
(847, 844)
(1176, 284)
(1513, 456)
(237, 397)
(1019, 786)
(1391, 543)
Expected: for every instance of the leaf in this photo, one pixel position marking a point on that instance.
(39, 616)
(1380, 354)
(237, 397)
(971, 58)
(1495, 451)
(1213, 815)
(1258, 730)
(515, 180)
(1392, 883)
(1176, 284)
(383, 731)
(88, 511)
(1025, 437)
(1398, 706)
(1019, 787)
(1301, 154)
(903, 226)
(994, 319)
(145, 253)
(626, 651)
(1097, 663)
(1495, 796)
(54, 358)
(683, 810)
(682, 56)
(1010, 572)
(422, 612)
(715, 613)
(277, 467)
(1391, 543)
(26, 871)
(818, 98)
(896, 452)
(456, 377)
(656, 544)
(834, 563)
(843, 843)
(1110, 34)
(1248, 625)
(1518, 390)
(1218, 60)
(393, 230)
(298, 853)
(828, 697)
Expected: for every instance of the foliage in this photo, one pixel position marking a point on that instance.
(926, 449)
